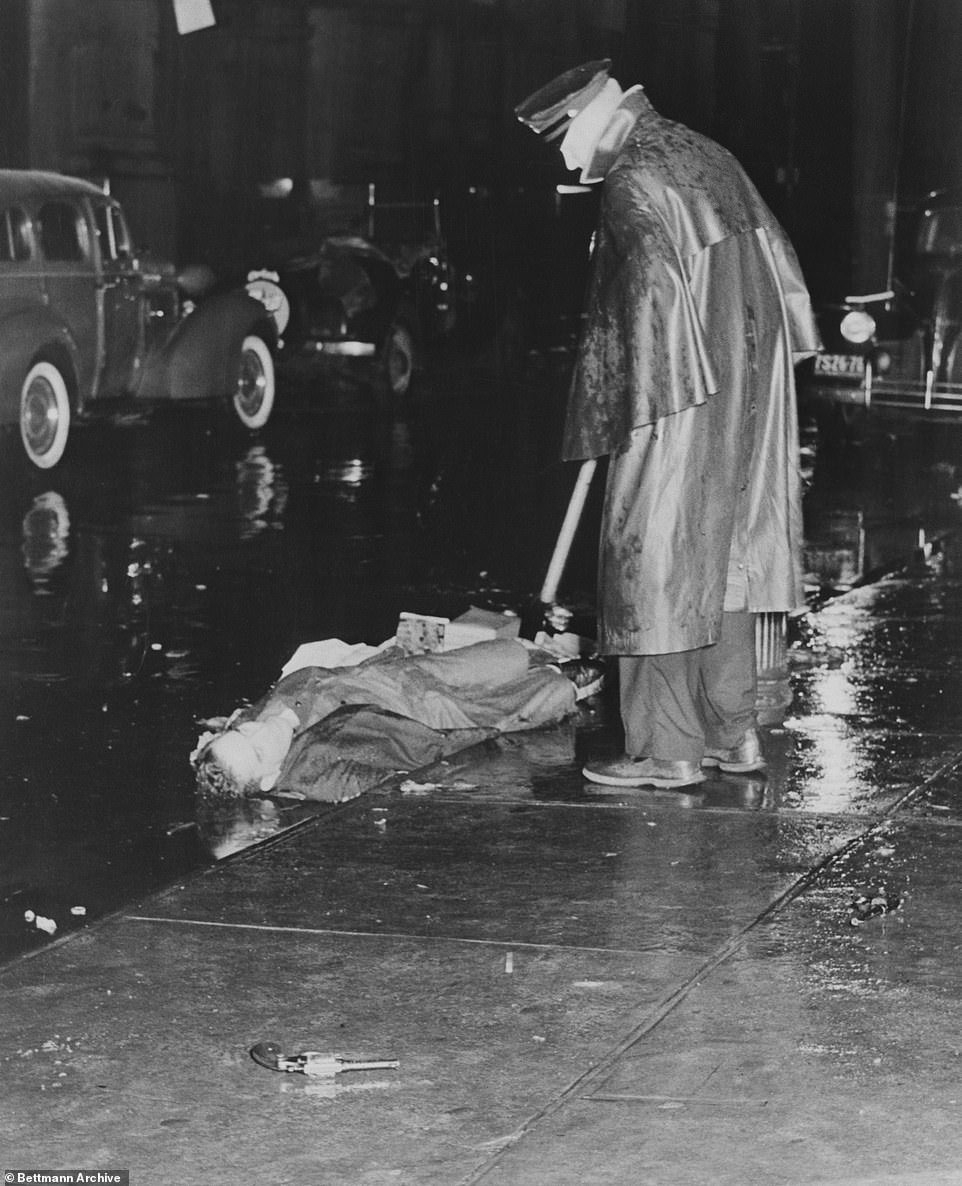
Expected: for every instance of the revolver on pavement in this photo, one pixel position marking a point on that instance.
(316, 1063)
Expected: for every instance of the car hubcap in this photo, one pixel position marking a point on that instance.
(398, 366)
(252, 385)
(40, 416)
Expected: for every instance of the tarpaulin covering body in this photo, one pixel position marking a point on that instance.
(360, 724)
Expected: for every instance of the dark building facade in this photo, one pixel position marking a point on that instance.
(838, 108)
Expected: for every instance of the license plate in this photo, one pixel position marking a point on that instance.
(846, 365)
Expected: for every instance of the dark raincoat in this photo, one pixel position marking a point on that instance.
(697, 311)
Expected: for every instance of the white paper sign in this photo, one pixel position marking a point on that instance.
(192, 15)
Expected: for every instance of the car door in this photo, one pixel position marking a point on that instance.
(63, 236)
(120, 295)
(21, 283)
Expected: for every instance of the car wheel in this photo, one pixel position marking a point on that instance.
(44, 414)
(256, 383)
(398, 359)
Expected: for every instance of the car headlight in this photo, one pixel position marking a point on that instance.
(263, 286)
(857, 326)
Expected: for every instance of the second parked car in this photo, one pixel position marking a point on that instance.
(897, 352)
(344, 273)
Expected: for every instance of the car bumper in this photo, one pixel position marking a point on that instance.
(912, 398)
(343, 348)
(845, 394)
(346, 349)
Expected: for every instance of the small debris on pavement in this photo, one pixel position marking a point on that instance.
(410, 787)
(41, 923)
(873, 904)
(183, 826)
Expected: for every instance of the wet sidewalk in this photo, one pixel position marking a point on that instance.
(660, 988)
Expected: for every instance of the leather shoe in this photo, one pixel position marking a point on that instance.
(740, 759)
(643, 772)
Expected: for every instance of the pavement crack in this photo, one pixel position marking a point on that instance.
(580, 1087)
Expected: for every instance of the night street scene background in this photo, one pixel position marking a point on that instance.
(163, 572)
(169, 566)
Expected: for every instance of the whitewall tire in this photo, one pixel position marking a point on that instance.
(256, 383)
(44, 414)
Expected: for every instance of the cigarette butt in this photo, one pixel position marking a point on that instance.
(509, 962)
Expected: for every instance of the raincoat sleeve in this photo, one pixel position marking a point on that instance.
(643, 353)
(802, 330)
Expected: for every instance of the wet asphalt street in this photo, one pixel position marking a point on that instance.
(164, 572)
(754, 982)
(167, 568)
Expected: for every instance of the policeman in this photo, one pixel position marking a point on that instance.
(696, 314)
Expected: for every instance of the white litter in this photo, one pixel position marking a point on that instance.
(41, 923)
(410, 787)
(329, 652)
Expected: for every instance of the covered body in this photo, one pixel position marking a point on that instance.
(697, 312)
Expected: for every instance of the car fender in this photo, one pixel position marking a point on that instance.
(200, 359)
(26, 337)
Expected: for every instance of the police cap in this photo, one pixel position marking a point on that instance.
(549, 110)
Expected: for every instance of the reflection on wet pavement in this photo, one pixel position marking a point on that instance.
(228, 828)
(165, 571)
(46, 529)
(261, 492)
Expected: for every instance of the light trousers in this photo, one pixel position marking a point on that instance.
(674, 706)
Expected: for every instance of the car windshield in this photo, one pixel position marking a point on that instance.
(112, 232)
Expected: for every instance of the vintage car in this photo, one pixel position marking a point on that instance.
(84, 318)
(344, 274)
(898, 352)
